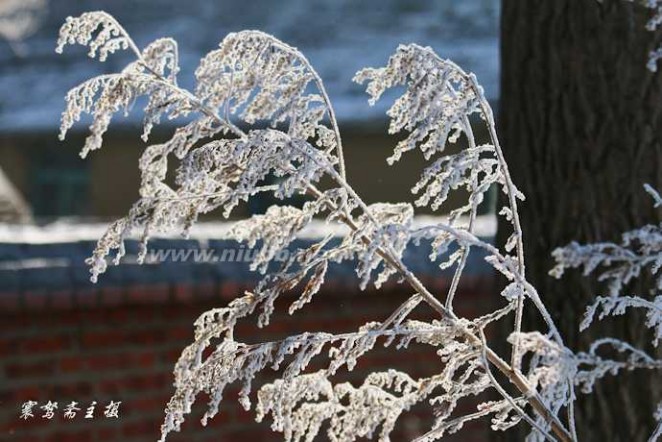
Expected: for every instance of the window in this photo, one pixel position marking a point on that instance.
(59, 184)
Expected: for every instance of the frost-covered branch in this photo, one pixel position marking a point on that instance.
(618, 264)
(640, 250)
(612, 306)
(260, 111)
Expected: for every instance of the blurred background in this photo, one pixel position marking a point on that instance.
(578, 117)
(64, 339)
(339, 38)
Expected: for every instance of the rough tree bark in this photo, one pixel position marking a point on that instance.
(581, 124)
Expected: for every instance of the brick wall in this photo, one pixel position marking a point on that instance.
(121, 344)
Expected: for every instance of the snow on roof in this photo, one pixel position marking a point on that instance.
(338, 36)
(67, 232)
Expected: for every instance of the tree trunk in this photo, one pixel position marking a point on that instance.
(581, 126)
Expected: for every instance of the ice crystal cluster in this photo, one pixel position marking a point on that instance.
(259, 110)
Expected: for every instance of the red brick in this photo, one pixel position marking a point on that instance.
(9, 302)
(171, 356)
(112, 297)
(183, 293)
(253, 433)
(103, 339)
(142, 428)
(70, 364)
(180, 333)
(244, 416)
(149, 382)
(205, 291)
(231, 290)
(100, 363)
(24, 437)
(116, 316)
(74, 390)
(71, 318)
(30, 370)
(100, 316)
(35, 300)
(61, 300)
(15, 322)
(6, 348)
(145, 314)
(85, 293)
(152, 381)
(110, 387)
(120, 361)
(26, 394)
(108, 434)
(44, 344)
(120, 337)
(69, 436)
(147, 405)
(157, 294)
(147, 337)
(87, 299)
(226, 414)
(146, 360)
(181, 312)
(16, 425)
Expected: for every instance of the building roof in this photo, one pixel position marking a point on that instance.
(338, 36)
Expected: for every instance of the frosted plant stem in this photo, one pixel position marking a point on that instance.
(510, 187)
(402, 311)
(656, 434)
(514, 375)
(505, 394)
(472, 218)
(325, 97)
(472, 240)
(512, 200)
(515, 360)
(571, 412)
(531, 395)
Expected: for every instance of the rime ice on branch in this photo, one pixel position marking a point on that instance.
(639, 251)
(260, 110)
